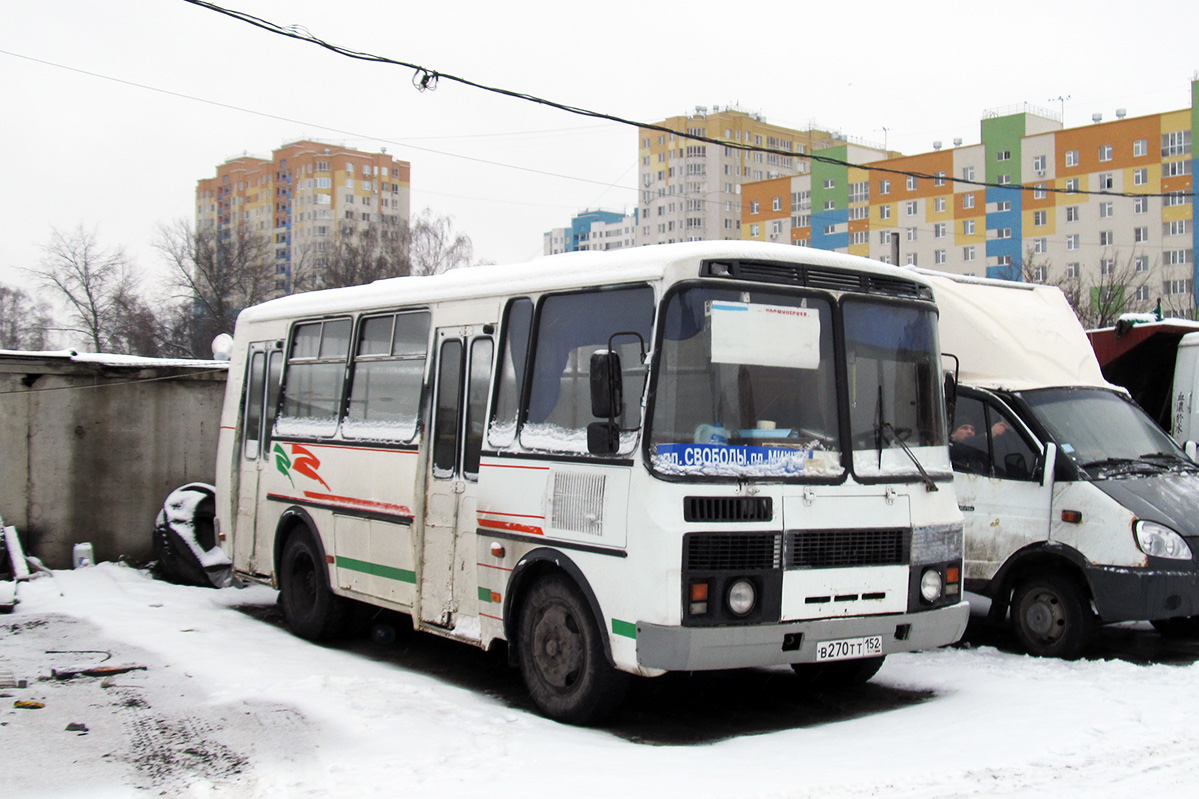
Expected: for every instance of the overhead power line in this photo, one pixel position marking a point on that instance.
(426, 79)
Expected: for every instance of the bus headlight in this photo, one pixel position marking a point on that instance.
(1160, 541)
(742, 597)
(931, 585)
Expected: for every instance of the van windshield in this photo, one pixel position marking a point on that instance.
(1105, 434)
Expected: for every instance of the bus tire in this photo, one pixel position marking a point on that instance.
(562, 656)
(1051, 616)
(1180, 627)
(313, 611)
(839, 673)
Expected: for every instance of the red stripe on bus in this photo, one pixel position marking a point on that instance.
(362, 504)
(497, 568)
(511, 527)
(361, 449)
(488, 615)
(514, 515)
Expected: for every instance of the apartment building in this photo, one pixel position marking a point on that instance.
(592, 230)
(302, 198)
(691, 190)
(1107, 208)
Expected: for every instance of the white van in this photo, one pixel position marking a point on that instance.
(1079, 509)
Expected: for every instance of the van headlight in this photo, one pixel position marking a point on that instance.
(1161, 542)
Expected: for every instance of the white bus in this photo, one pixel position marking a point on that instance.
(682, 457)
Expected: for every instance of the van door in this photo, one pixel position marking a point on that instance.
(448, 583)
(264, 367)
(998, 483)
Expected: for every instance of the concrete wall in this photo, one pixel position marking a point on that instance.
(90, 447)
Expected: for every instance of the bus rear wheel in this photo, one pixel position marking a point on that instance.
(313, 611)
(562, 656)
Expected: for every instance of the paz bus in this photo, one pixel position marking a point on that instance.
(694, 456)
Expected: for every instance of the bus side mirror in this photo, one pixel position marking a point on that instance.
(603, 438)
(607, 393)
(607, 402)
(951, 398)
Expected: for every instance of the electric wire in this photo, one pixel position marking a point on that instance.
(426, 79)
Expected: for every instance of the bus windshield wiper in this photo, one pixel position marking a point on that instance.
(898, 437)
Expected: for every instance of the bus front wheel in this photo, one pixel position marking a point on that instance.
(562, 656)
(313, 611)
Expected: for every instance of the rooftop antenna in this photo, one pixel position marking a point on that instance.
(1062, 101)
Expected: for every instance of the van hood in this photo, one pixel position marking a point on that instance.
(1171, 498)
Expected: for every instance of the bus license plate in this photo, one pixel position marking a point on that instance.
(849, 648)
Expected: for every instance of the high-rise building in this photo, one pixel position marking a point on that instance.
(1106, 210)
(690, 190)
(305, 196)
(593, 230)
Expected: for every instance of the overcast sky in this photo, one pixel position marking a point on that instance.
(111, 111)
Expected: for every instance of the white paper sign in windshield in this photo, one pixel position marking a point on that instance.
(765, 335)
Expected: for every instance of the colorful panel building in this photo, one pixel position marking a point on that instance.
(1108, 207)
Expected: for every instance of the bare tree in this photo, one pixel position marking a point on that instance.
(213, 276)
(434, 247)
(94, 283)
(24, 323)
(356, 256)
(1100, 296)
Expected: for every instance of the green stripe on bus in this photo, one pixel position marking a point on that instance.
(484, 594)
(390, 572)
(627, 629)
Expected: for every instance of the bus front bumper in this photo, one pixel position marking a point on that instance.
(675, 648)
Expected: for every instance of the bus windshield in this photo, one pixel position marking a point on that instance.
(746, 386)
(896, 413)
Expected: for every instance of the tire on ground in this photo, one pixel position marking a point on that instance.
(561, 655)
(186, 549)
(1051, 616)
(312, 610)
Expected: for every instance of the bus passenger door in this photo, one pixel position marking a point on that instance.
(263, 370)
(463, 370)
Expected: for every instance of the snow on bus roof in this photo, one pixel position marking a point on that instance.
(551, 272)
(1011, 335)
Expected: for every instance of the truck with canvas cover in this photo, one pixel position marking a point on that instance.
(1079, 510)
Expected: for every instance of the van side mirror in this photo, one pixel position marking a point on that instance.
(1050, 466)
(607, 391)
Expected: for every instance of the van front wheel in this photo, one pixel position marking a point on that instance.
(1051, 617)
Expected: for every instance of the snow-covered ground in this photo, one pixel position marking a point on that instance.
(231, 704)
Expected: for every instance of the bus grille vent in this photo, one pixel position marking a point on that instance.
(578, 503)
(742, 551)
(832, 549)
(728, 509)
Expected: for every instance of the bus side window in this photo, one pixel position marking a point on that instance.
(510, 372)
(252, 424)
(570, 327)
(386, 379)
(313, 382)
(478, 381)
